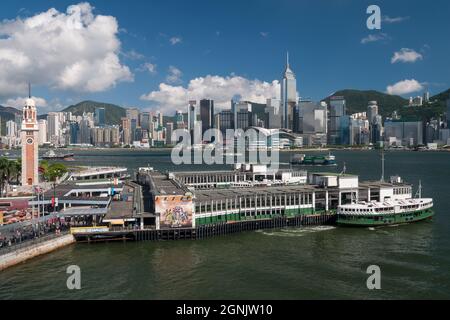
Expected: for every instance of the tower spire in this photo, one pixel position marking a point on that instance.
(29, 90)
(287, 59)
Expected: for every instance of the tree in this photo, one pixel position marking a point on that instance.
(55, 171)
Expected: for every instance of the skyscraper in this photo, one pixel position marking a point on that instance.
(192, 114)
(42, 131)
(288, 95)
(207, 114)
(337, 110)
(100, 117)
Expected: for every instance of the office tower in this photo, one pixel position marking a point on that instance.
(11, 129)
(169, 131)
(242, 115)
(403, 132)
(74, 132)
(372, 111)
(179, 120)
(226, 121)
(273, 114)
(145, 119)
(426, 97)
(314, 117)
(54, 127)
(133, 114)
(288, 95)
(337, 110)
(207, 114)
(100, 117)
(126, 131)
(42, 124)
(115, 135)
(376, 129)
(160, 119)
(192, 115)
(85, 126)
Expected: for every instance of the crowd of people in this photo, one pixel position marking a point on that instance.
(33, 231)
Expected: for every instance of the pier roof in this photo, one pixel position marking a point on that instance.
(222, 194)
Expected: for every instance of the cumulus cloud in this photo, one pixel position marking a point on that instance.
(374, 38)
(175, 40)
(76, 50)
(19, 102)
(404, 87)
(406, 55)
(220, 89)
(174, 75)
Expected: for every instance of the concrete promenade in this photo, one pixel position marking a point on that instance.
(34, 249)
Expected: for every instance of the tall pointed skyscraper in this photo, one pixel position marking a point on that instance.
(30, 140)
(288, 96)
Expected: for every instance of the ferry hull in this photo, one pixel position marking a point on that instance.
(384, 220)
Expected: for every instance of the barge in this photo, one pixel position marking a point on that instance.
(305, 160)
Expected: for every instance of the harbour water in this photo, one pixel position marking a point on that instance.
(307, 263)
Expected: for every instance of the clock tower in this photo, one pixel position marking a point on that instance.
(29, 137)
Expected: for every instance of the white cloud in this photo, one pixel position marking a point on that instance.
(390, 20)
(148, 67)
(374, 38)
(174, 75)
(404, 87)
(19, 102)
(76, 50)
(133, 55)
(220, 89)
(175, 40)
(264, 34)
(406, 55)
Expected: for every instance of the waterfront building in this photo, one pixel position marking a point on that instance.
(100, 117)
(337, 110)
(207, 114)
(288, 95)
(30, 141)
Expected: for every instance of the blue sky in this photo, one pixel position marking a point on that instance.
(173, 42)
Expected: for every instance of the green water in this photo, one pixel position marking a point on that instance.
(311, 263)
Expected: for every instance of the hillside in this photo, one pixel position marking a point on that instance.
(113, 112)
(6, 114)
(357, 101)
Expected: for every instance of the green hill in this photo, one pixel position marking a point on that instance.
(113, 112)
(6, 114)
(357, 101)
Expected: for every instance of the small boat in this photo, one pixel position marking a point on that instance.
(306, 160)
(51, 155)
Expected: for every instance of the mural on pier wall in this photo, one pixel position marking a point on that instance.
(174, 211)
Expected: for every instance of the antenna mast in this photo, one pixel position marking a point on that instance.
(29, 90)
(382, 165)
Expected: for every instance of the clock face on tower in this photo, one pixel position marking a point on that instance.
(30, 140)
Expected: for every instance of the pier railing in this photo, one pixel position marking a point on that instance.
(28, 243)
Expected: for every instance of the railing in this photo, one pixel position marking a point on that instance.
(29, 243)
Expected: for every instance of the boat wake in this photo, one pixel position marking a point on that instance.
(295, 232)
